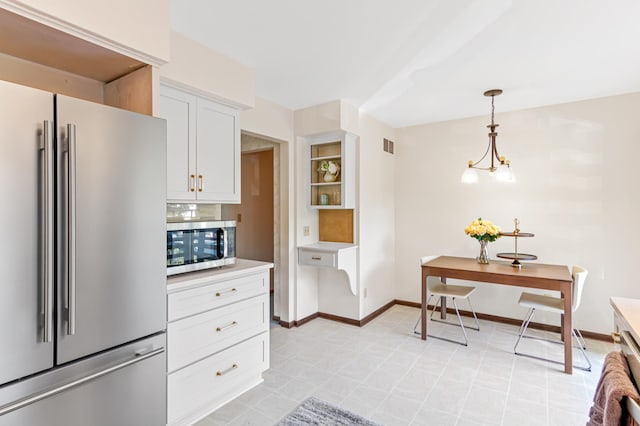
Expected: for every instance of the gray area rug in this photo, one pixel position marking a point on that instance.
(313, 411)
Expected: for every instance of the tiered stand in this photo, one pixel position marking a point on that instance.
(517, 257)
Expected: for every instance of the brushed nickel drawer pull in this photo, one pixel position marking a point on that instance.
(223, 292)
(224, 327)
(316, 258)
(223, 372)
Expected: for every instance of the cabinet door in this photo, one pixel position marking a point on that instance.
(218, 153)
(179, 109)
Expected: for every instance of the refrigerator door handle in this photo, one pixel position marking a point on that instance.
(42, 395)
(71, 231)
(47, 276)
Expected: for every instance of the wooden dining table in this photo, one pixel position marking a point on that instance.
(531, 275)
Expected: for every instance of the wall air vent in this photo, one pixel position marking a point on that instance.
(387, 145)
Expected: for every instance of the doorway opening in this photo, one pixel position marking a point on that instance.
(258, 214)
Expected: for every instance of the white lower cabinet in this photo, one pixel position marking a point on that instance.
(196, 337)
(217, 339)
(200, 388)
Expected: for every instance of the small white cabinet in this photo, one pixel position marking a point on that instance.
(217, 337)
(331, 171)
(203, 148)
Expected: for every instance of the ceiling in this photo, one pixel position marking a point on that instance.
(410, 62)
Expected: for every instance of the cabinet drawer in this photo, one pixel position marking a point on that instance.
(201, 335)
(200, 388)
(195, 300)
(317, 258)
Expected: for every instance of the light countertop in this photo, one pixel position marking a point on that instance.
(629, 311)
(194, 279)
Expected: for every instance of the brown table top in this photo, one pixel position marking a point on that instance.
(500, 272)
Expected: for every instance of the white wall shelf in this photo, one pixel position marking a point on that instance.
(341, 256)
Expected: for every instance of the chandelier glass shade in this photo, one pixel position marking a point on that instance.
(499, 167)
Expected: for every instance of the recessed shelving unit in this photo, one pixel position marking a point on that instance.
(331, 190)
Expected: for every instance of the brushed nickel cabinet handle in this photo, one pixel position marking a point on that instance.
(192, 183)
(316, 258)
(225, 292)
(223, 372)
(224, 327)
(201, 183)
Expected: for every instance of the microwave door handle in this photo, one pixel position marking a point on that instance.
(47, 247)
(226, 252)
(71, 231)
(220, 243)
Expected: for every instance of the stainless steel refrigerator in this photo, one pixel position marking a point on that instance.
(82, 262)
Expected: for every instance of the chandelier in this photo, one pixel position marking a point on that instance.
(499, 167)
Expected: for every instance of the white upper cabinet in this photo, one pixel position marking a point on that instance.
(203, 148)
(179, 109)
(218, 152)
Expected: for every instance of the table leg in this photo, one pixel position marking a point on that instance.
(567, 326)
(443, 302)
(423, 285)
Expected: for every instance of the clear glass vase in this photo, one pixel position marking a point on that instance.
(484, 252)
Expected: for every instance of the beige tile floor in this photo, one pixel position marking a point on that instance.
(386, 373)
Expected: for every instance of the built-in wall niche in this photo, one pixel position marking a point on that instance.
(326, 187)
(35, 55)
(331, 171)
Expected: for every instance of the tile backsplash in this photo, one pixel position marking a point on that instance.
(187, 212)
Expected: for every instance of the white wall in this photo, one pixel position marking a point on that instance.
(141, 26)
(212, 74)
(576, 190)
(327, 290)
(322, 118)
(268, 118)
(310, 121)
(376, 216)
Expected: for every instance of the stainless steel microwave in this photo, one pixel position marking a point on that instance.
(192, 246)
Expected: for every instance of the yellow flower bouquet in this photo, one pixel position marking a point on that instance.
(483, 230)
